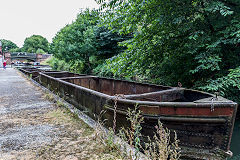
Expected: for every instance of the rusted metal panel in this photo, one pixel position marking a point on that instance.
(93, 84)
(118, 87)
(79, 98)
(142, 89)
(195, 111)
(105, 85)
(160, 96)
(85, 82)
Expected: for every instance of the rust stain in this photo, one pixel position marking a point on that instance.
(223, 111)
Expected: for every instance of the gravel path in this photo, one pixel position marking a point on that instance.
(22, 123)
(32, 127)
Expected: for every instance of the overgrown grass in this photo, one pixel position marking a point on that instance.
(49, 97)
(66, 117)
(75, 141)
(158, 147)
(161, 148)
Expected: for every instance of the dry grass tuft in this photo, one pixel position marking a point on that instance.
(75, 141)
(49, 96)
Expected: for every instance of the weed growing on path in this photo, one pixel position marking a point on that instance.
(49, 96)
(159, 147)
(133, 135)
(60, 103)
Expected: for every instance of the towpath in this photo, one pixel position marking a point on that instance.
(32, 127)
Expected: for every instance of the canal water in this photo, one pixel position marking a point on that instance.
(235, 144)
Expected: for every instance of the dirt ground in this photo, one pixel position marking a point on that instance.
(31, 127)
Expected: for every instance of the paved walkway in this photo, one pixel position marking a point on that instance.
(22, 107)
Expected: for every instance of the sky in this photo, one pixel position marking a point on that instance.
(20, 19)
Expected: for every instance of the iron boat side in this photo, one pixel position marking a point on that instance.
(203, 122)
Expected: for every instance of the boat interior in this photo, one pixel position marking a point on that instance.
(132, 90)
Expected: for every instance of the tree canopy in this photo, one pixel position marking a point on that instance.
(84, 44)
(194, 42)
(7, 45)
(35, 43)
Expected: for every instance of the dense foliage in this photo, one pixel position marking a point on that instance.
(83, 44)
(35, 43)
(8, 45)
(194, 42)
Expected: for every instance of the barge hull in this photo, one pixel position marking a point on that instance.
(201, 125)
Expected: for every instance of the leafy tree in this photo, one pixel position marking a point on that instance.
(7, 45)
(35, 42)
(228, 86)
(40, 51)
(76, 41)
(84, 44)
(108, 42)
(193, 42)
(16, 50)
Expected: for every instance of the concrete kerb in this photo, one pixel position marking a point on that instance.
(124, 146)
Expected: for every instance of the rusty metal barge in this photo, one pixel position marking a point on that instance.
(203, 122)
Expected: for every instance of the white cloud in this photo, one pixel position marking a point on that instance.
(22, 18)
